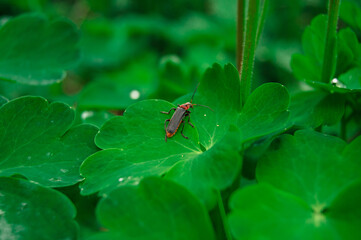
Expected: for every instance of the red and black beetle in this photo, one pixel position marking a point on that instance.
(181, 112)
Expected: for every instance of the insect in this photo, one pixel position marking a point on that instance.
(179, 115)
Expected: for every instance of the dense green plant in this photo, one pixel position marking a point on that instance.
(267, 161)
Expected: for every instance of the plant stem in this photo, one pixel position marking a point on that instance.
(223, 216)
(329, 57)
(250, 20)
(240, 32)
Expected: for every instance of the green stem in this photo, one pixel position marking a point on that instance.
(223, 216)
(251, 16)
(329, 57)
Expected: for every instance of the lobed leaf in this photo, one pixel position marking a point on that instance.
(308, 67)
(37, 141)
(263, 212)
(314, 166)
(155, 209)
(309, 186)
(37, 51)
(135, 144)
(29, 211)
(265, 112)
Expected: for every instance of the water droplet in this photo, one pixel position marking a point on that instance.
(134, 94)
(205, 115)
(217, 125)
(2, 212)
(121, 149)
(52, 121)
(121, 179)
(29, 157)
(64, 170)
(182, 155)
(86, 114)
(335, 82)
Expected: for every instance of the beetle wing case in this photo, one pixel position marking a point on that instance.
(176, 120)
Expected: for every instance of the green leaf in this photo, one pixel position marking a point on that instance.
(263, 212)
(305, 67)
(38, 143)
(29, 211)
(352, 79)
(315, 108)
(313, 38)
(37, 51)
(135, 144)
(121, 88)
(349, 51)
(314, 166)
(265, 112)
(350, 13)
(346, 208)
(308, 66)
(156, 209)
(219, 90)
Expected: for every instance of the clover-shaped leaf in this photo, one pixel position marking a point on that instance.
(29, 211)
(306, 185)
(264, 212)
(135, 144)
(312, 165)
(155, 209)
(265, 112)
(37, 51)
(37, 138)
(308, 66)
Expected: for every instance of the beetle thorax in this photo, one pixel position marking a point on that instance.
(186, 105)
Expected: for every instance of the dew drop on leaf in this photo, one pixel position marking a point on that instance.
(335, 82)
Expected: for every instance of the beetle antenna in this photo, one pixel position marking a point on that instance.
(204, 106)
(195, 92)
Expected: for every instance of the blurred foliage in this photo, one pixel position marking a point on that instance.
(168, 41)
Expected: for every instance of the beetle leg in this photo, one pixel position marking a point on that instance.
(168, 111)
(189, 120)
(182, 131)
(165, 128)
